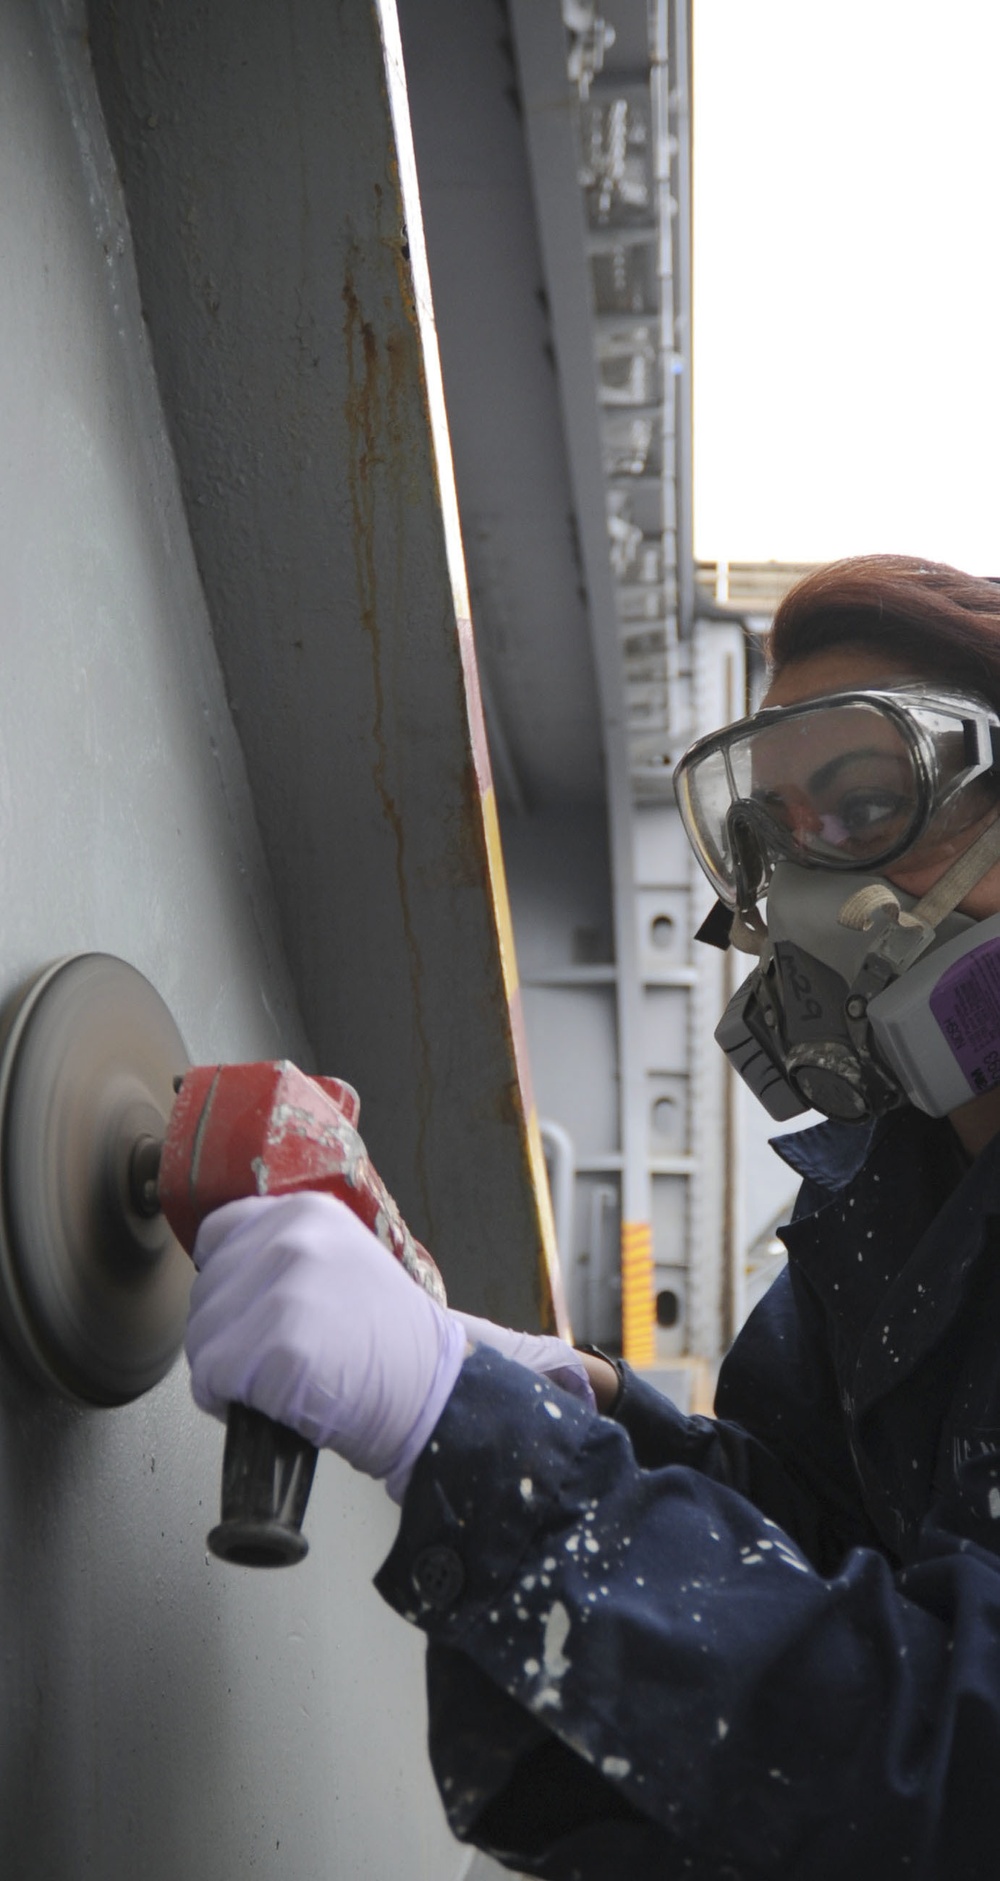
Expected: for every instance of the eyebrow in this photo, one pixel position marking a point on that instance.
(828, 772)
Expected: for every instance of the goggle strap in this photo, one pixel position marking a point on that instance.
(956, 882)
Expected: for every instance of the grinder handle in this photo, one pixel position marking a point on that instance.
(267, 1473)
(228, 1137)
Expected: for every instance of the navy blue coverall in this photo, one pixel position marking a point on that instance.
(767, 1645)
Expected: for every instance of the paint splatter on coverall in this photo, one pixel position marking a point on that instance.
(664, 1646)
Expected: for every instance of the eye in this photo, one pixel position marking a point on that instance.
(871, 812)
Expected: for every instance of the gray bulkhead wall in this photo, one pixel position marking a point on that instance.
(162, 1715)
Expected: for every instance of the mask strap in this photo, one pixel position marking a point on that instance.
(860, 909)
(956, 882)
(748, 932)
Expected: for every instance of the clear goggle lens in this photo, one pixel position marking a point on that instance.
(849, 784)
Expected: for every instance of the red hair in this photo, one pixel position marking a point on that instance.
(945, 624)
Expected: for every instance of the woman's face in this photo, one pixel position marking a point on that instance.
(838, 669)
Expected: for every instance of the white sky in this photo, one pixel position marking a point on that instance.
(847, 279)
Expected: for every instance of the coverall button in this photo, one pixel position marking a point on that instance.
(438, 1576)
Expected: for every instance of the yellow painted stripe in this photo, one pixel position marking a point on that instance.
(638, 1310)
(550, 1277)
(498, 886)
(552, 1273)
(550, 1253)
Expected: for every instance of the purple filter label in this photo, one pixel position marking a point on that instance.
(966, 1004)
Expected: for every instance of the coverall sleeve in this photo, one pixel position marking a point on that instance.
(778, 1437)
(634, 1673)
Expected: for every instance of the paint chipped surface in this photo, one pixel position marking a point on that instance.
(615, 1767)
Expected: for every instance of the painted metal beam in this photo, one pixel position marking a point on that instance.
(277, 240)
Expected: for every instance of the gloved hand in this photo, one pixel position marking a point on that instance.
(299, 1311)
(538, 1352)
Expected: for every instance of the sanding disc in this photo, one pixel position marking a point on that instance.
(93, 1285)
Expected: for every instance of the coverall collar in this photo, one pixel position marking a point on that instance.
(829, 1154)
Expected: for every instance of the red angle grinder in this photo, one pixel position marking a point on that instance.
(113, 1149)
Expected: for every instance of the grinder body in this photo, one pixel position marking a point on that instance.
(268, 1129)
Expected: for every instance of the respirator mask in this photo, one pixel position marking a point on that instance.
(863, 997)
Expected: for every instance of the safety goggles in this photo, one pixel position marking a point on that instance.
(849, 781)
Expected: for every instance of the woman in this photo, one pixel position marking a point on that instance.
(768, 1644)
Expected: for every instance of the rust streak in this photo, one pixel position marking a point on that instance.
(371, 429)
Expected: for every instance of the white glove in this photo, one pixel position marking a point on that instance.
(537, 1351)
(299, 1311)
